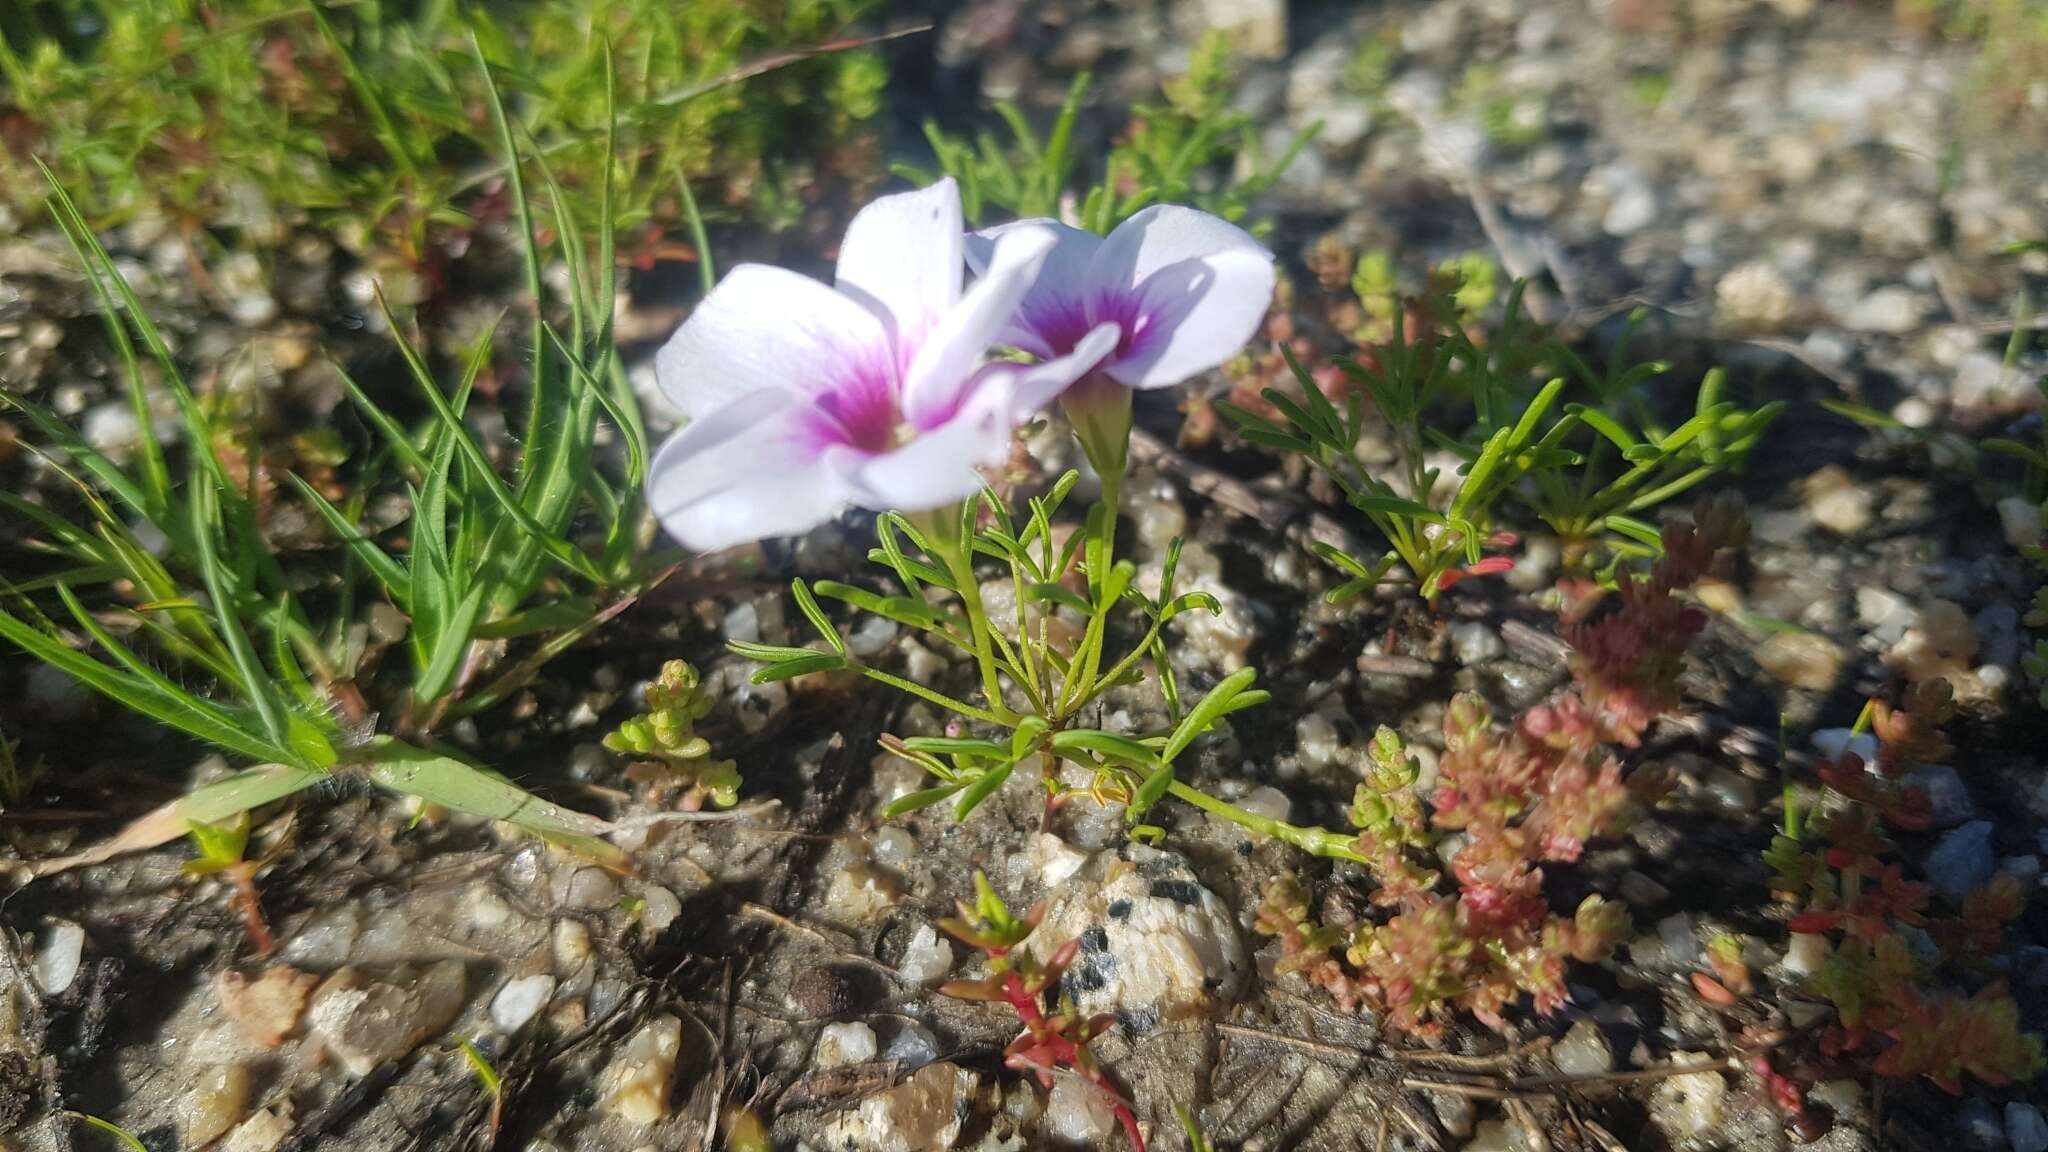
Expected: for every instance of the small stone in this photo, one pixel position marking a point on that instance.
(912, 1046)
(521, 1000)
(2021, 520)
(1583, 1051)
(1803, 660)
(570, 945)
(635, 1086)
(1948, 798)
(1054, 858)
(325, 941)
(2025, 1129)
(851, 1042)
(264, 1132)
(1316, 741)
(364, 1024)
(1689, 1106)
(1753, 297)
(1961, 862)
(1267, 801)
(1475, 643)
(1885, 613)
(1155, 943)
(587, 889)
(1680, 939)
(1892, 310)
(927, 958)
(265, 1010)
(1257, 28)
(1836, 502)
(1979, 1121)
(1502, 1136)
(659, 908)
(1079, 1113)
(922, 1114)
(59, 957)
(860, 893)
(113, 430)
(1455, 1113)
(217, 1100)
(1806, 953)
(1842, 1098)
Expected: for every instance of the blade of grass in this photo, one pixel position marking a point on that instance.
(444, 780)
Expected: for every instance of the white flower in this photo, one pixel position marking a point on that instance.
(1184, 290)
(804, 399)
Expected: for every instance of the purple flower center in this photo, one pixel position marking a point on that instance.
(1063, 322)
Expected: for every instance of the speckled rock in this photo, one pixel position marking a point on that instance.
(1155, 943)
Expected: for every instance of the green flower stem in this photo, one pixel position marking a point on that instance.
(1314, 841)
(944, 529)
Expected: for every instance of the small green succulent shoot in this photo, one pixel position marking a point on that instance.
(221, 846)
(668, 752)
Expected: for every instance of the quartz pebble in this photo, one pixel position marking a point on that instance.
(1078, 1112)
(1583, 1051)
(927, 958)
(851, 1042)
(635, 1086)
(217, 1100)
(59, 957)
(1689, 1106)
(521, 1000)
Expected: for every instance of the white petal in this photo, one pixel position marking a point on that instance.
(1054, 311)
(940, 466)
(1033, 386)
(901, 258)
(1196, 314)
(743, 472)
(949, 356)
(1160, 237)
(763, 328)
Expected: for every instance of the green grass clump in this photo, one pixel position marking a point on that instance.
(366, 117)
(528, 559)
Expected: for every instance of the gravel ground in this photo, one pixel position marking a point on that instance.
(1815, 196)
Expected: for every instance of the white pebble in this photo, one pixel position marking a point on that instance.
(521, 1000)
(1079, 1113)
(849, 1043)
(1583, 1051)
(1689, 1106)
(635, 1086)
(57, 961)
(927, 959)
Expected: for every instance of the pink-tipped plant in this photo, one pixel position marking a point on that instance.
(1522, 796)
(1897, 1007)
(1054, 1040)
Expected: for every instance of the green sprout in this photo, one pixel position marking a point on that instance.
(667, 752)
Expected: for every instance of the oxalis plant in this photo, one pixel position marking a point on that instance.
(161, 581)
